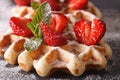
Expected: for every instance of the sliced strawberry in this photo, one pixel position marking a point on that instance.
(58, 22)
(89, 32)
(77, 4)
(19, 26)
(51, 37)
(22, 2)
(55, 6)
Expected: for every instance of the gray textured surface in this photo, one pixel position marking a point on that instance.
(111, 15)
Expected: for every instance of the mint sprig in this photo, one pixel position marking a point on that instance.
(32, 44)
(35, 4)
(43, 13)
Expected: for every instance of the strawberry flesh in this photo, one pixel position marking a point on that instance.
(58, 22)
(55, 6)
(22, 2)
(19, 26)
(89, 32)
(77, 4)
(51, 37)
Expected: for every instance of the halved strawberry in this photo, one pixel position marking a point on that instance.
(55, 6)
(19, 26)
(77, 4)
(51, 37)
(22, 2)
(89, 32)
(58, 22)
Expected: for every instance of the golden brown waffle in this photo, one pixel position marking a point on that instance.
(10, 46)
(51, 58)
(25, 11)
(74, 58)
(6, 40)
(94, 10)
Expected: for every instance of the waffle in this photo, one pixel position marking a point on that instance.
(52, 58)
(23, 11)
(73, 58)
(28, 12)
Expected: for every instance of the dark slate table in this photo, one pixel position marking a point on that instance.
(111, 16)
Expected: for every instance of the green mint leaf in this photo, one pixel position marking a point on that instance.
(47, 14)
(35, 29)
(35, 4)
(43, 13)
(32, 44)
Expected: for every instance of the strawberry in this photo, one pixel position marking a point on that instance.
(58, 22)
(77, 4)
(23, 2)
(55, 6)
(89, 32)
(19, 26)
(51, 37)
